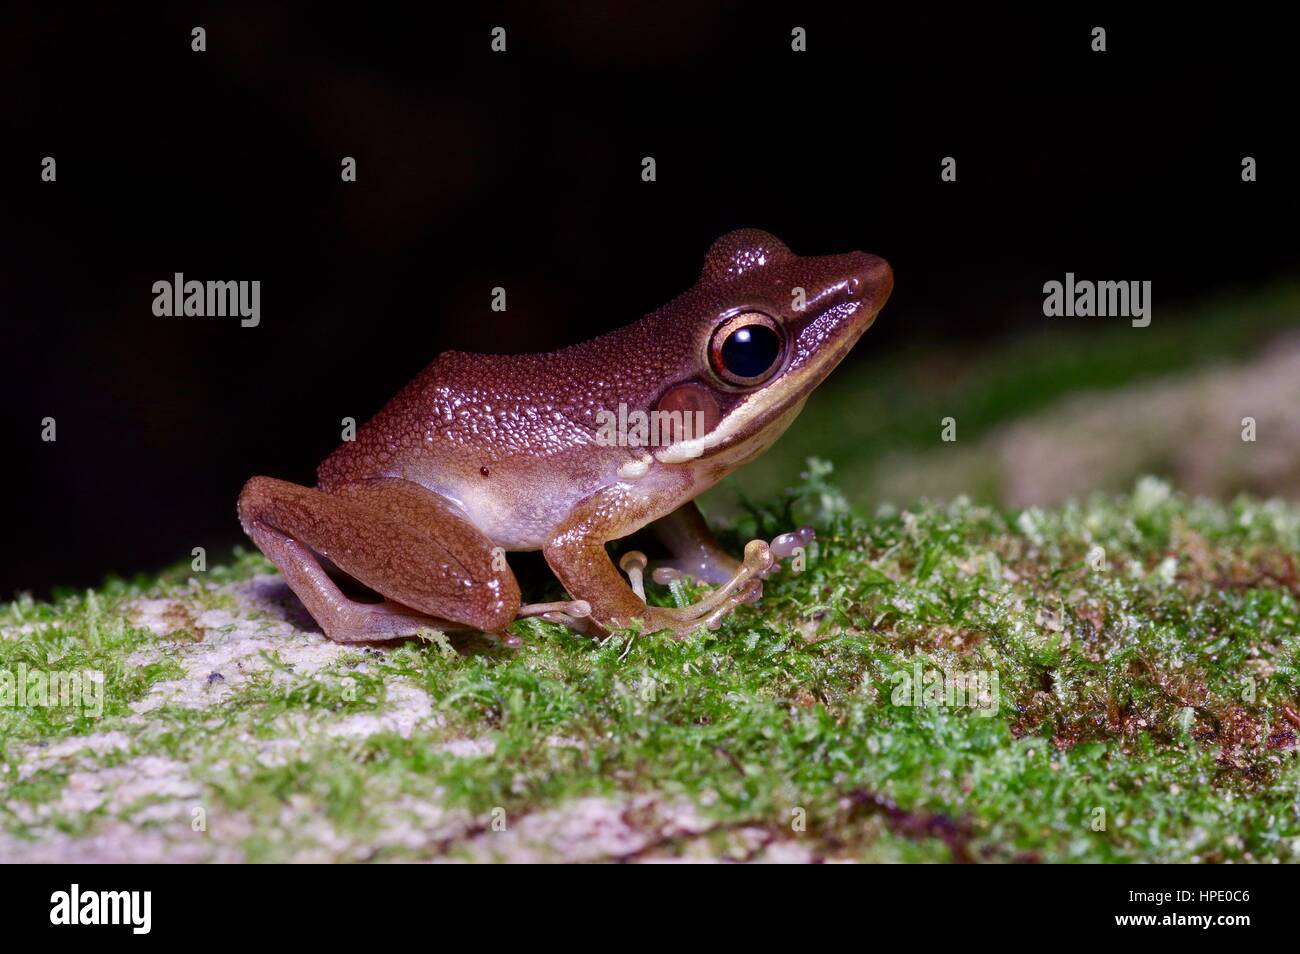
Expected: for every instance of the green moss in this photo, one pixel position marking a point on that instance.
(1147, 651)
(78, 634)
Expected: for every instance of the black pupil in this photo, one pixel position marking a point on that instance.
(750, 351)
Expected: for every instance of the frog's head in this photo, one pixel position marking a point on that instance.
(766, 327)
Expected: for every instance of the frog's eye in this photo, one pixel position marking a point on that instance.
(746, 348)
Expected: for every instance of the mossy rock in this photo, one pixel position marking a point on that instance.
(1133, 696)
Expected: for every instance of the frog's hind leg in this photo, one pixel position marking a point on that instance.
(698, 555)
(343, 620)
(695, 551)
(434, 568)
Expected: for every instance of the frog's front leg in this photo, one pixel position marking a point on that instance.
(434, 568)
(577, 556)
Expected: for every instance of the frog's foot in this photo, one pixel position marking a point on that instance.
(745, 586)
(682, 621)
(575, 614)
(371, 622)
(735, 589)
(719, 568)
(576, 608)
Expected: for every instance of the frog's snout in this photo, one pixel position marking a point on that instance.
(858, 277)
(870, 278)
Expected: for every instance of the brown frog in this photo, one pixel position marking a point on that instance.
(562, 452)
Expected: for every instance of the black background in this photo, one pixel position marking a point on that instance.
(1081, 900)
(522, 170)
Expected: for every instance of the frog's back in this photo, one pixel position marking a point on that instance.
(466, 412)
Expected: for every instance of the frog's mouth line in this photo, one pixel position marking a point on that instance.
(791, 389)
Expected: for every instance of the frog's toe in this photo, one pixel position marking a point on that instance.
(582, 625)
(785, 545)
(752, 593)
(633, 564)
(744, 586)
(575, 614)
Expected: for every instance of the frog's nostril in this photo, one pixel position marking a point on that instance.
(857, 277)
(872, 277)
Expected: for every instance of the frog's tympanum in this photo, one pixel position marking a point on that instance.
(564, 452)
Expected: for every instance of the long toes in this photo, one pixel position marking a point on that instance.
(752, 592)
(582, 625)
(745, 586)
(575, 608)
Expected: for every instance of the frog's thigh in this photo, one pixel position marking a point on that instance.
(695, 551)
(403, 541)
